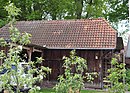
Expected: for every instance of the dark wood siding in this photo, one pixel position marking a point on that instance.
(97, 61)
(53, 59)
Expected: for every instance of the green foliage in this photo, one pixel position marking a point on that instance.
(16, 77)
(128, 76)
(12, 10)
(116, 75)
(3, 22)
(118, 10)
(68, 9)
(3, 42)
(73, 79)
(49, 90)
(127, 79)
(95, 8)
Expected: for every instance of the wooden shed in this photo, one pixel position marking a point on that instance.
(94, 39)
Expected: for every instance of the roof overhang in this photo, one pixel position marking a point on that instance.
(82, 48)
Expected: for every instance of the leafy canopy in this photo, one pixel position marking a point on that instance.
(113, 10)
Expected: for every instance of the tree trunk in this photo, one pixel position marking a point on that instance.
(79, 7)
(88, 15)
(53, 16)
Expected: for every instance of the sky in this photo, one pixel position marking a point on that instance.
(123, 26)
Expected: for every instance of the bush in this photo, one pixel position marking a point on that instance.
(127, 80)
(72, 81)
(14, 79)
(116, 75)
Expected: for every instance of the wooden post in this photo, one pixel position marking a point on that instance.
(42, 54)
(123, 63)
(101, 71)
(111, 64)
(41, 83)
(29, 54)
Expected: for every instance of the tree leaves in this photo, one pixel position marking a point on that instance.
(113, 10)
(15, 76)
(118, 10)
(116, 75)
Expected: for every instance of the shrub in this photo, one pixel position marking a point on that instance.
(116, 75)
(73, 79)
(127, 79)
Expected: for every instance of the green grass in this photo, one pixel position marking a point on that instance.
(92, 91)
(83, 91)
(48, 90)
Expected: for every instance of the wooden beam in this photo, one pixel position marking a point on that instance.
(110, 62)
(28, 48)
(42, 54)
(37, 50)
(124, 63)
(29, 54)
(101, 70)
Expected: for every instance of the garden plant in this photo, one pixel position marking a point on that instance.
(116, 75)
(72, 81)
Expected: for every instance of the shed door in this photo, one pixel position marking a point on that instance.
(94, 64)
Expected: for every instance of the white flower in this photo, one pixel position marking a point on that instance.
(41, 77)
(38, 88)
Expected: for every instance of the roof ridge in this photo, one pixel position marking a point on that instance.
(101, 18)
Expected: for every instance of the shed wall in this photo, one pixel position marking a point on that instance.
(53, 59)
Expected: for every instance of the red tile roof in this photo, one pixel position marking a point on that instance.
(69, 34)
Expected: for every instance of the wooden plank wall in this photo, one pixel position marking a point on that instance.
(53, 59)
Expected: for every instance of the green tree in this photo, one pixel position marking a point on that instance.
(117, 10)
(3, 13)
(15, 77)
(113, 10)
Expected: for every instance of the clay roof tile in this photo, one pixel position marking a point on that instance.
(68, 34)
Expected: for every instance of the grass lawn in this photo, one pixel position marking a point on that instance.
(83, 91)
